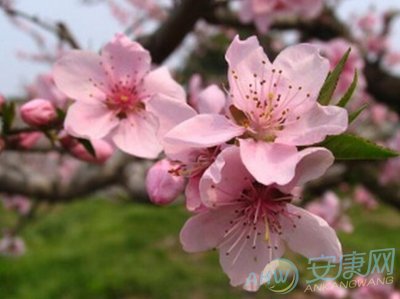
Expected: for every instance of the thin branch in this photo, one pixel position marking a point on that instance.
(176, 27)
(59, 29)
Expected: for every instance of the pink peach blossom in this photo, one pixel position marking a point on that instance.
(264, 12)
(373, 290)
(274, 110)
(195, 86)
(331, 290)
(330, 209)
(210, 99)
(25, 140)
(381, 114)
(392, 58)
(368, 22)
(38, 112)
(365, 198)
(120, 13)
(376, 44)
(18, 203)
(191, 162)
(249, 223)
(12, 246)
(163, 187)
(117, 96)
(45, 88)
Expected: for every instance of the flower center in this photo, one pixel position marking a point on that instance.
(269, 103)
(124, 101)
(258, 210)
(198, 163)
(263, 204)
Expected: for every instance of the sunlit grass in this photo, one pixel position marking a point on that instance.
(102, 249)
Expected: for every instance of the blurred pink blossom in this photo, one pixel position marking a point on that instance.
(374, 290)
(12, 246)
(330, 290)
(381, 114)
(392, 58)
(368, 22)
(119, 12)
(45, 88)
(365, 198)
(25, 140)
(376, 44)
(18, 203)
(263, 13)
(331, 210)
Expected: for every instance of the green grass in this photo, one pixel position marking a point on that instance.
(102, 249)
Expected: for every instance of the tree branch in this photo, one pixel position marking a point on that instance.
(17, 178)
(174, 30)
(59, 29)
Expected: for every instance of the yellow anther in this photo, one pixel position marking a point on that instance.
(266, 230)
(124, 98)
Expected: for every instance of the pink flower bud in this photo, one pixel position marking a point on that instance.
(162, 186)
(26, 140)
(38, 112)
(102, 149)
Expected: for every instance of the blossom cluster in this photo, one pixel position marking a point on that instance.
(264, 13)
(237, 155)
(240, 153)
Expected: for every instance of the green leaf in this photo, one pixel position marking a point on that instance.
(60, 114)
(351, 147)
(8, 114)
(88, 146)
(327, 90)
(355, 114)
(350, 91)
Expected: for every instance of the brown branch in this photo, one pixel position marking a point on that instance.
(174, 30)
(59, 29)
(20, 179)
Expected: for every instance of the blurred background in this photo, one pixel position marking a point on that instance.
(111, 242)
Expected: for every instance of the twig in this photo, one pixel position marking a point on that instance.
(59, 29)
